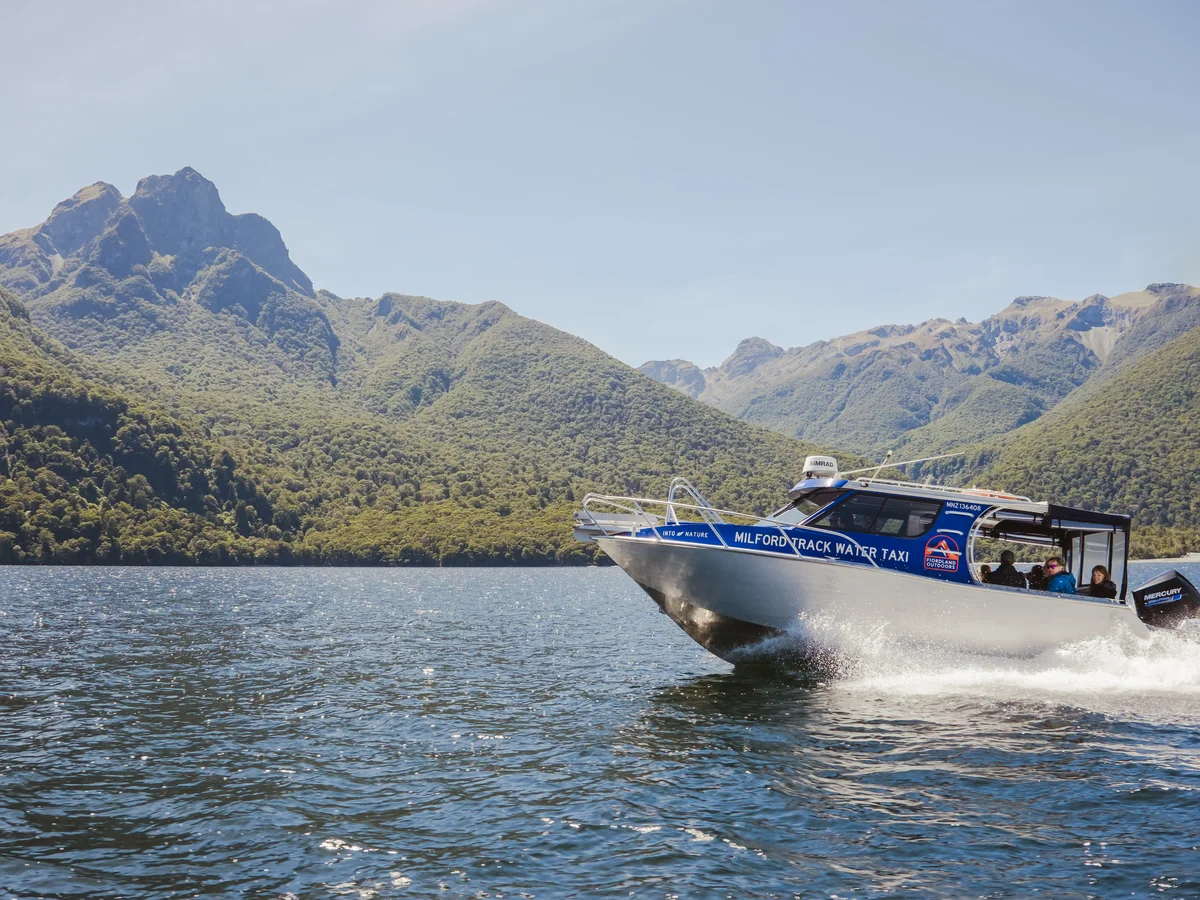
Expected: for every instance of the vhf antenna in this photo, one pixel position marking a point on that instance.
(908, 462)
(879, 468)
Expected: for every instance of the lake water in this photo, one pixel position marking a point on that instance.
(546, 733)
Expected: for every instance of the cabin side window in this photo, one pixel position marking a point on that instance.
(891, 516)
(906, 518)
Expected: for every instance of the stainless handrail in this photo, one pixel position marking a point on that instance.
(980, 494)
(681, 483)
(709, 515)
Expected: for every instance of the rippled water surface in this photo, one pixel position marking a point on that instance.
(546, 733)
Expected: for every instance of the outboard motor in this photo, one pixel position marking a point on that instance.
(1167, 600)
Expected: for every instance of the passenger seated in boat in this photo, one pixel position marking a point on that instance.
(1007, 575)
(1102, 585)
(985, 574)
(1061, 581)
(1037, 578)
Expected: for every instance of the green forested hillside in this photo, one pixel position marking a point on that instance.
(397, 430)
(490, 472)
(480, 445)
(1131, 444)
(92, 475)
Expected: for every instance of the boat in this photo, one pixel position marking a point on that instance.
(854, 558)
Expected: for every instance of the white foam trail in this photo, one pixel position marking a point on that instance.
(1120, 667)
(1102, 672)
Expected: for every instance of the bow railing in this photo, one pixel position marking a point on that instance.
(612, 515)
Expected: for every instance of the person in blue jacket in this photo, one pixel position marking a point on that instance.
(1060, 581)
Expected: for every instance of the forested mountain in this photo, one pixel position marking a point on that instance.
(173, 388)
(1128, 442)
(941, 384)
(389, 430)
(1095, 403)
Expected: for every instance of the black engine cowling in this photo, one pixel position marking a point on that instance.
(1167, 600)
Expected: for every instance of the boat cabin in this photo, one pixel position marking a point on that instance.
(987, 522)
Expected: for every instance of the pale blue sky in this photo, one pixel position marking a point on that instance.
(660, 178)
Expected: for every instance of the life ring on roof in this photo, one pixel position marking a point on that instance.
(991, 495)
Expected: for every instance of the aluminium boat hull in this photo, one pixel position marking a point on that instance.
(731, 601)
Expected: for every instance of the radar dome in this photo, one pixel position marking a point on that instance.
(820, 467)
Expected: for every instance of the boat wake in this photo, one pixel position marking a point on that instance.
(1120, 664)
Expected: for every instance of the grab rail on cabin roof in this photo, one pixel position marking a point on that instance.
(980, 493)
(886, 463)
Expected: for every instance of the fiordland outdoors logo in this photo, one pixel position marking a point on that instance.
(942, 554)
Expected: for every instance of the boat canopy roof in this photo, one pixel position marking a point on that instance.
(1010, 513)
(1017, 524)
(1075, 519)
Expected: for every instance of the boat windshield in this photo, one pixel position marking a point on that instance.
(806, 507)
(816, 501)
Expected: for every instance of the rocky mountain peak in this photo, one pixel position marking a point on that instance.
(123, 245)
(1026, 300)
(680, 374)
(1094, 312)
(887, 331)
(940, 382)
(259, 240)
(749, 355)
(80, 218)
(179, 218)
(183, 216)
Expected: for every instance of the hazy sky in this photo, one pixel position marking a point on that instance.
(660, 178)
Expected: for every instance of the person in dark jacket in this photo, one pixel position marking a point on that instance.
(1102, 585)
(1059, 580)
(1006, 574)
(1037, 578)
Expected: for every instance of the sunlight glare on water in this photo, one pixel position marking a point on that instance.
(546, 733)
